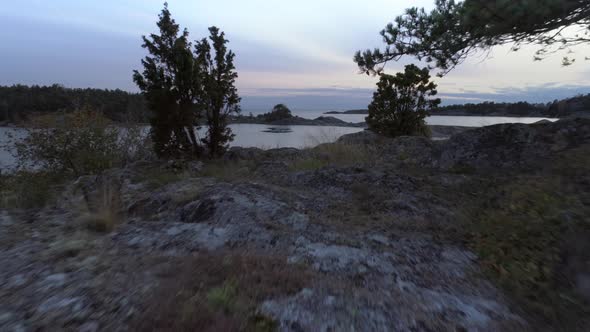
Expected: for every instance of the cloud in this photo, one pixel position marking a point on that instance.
(541, 93)
(307, 99)
(343, 98)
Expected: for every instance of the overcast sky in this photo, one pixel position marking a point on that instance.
(296, 52)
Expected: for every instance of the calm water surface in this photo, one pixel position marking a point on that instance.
(465, 121)
(268, 137)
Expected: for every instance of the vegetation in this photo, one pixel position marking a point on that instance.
(487, 108)
(229, 170)
(278, 112)
(452, 31)
(402, 102)
(81, 142)
(182, 87)
(220, 96)
(170, 83)
(577, 104)
(28, 190)
(521, 234)
(105, 205)
(213, 293)
(339, 154)
(20, 103)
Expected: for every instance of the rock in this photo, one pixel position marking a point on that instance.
(371, 239)
(66, 248)
(510, 146)
(323, 310)
(362, 137)
(272, 169)
(56, 305)
(226, 204)
(89, 327)
(195, 167)
(282, 154)
(54, 280)
(174, 165)
(240, 153)
(16, 281)
(5, 219)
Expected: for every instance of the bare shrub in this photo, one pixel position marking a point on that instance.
(104, 205)
(81, 142)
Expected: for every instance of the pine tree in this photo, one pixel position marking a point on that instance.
(168, 82)
(218, 96)
(453, 30)
(401, 103)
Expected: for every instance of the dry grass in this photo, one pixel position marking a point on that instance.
(212, 292)
(339, 154)
(104, 207)
(229, 170)
(29, 190)
(525, 232)
(323, 136)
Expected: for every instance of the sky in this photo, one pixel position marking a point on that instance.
(293, 52)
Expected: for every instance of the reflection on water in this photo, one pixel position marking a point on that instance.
(278, 130)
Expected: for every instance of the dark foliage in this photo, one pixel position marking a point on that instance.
(168, 83)
(19, 102)
(218, 95)
(453, 30)
(401, 103)
(567, 107)
(183, 87)
(490, 108)
(279, 112)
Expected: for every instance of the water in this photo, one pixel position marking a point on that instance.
(247, 135)
(466, 121)
(257, 135)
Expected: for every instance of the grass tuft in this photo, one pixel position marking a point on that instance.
(339, 154)
(28, 190)
(105, 210)
(229, 170)
(212, 292)
(223, 297)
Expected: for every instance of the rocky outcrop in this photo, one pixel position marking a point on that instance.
(496, 147)
(509, 146)
(379, 236)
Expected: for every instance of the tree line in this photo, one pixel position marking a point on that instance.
(19, 103)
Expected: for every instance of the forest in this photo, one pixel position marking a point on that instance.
(19, 102)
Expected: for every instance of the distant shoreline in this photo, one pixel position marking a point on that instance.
(451, 113)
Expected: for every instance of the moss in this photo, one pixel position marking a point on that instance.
(334, 153)
(518, 231)
(261, 323)
(212, 292)
(223, 297)
(229, 170)
(307, 164)
(29, 190)
(462, 169)
(157, 177)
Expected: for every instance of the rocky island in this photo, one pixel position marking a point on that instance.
(485, 231)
